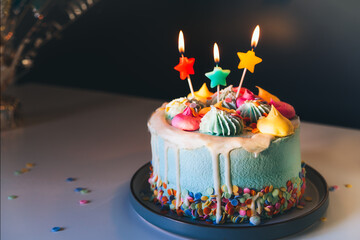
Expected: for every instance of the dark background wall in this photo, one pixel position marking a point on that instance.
(310, 51)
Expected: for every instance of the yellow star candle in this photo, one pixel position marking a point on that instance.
(249, 60)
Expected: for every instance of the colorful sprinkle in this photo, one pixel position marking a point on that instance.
(323, 219)
(30, 165)
(348, 185)
(11, 197)
(234, 202)
(236, 205)
(82, 202)
(210, 191)
(24, 170)
(78, 189)
(308, 199)
(198, 196)
(255, 220)
(57, 229)
(275, 193)
(84, 191)
(16, 173)
(235, 189)
(227, 195)
(204, 198)
(70, 179)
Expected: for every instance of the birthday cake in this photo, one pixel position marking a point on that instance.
(237, 160)
(230, 156)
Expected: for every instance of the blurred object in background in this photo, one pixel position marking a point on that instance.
(26, 25)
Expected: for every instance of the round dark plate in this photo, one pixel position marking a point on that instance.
(293, 221)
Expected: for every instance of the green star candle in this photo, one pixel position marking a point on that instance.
(217, 76)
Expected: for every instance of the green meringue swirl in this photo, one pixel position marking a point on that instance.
(220, 123)
(253, 110)
(224, 93)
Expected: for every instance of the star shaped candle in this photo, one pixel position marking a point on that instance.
(218, 75)
(186, 65)
(249, 60)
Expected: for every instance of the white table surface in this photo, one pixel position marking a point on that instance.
(102, 139)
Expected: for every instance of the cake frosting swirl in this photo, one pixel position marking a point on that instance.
(252, 110)
(220, 123)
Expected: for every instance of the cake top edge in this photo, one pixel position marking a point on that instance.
(230, 112)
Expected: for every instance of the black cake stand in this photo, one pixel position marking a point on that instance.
(280, 226)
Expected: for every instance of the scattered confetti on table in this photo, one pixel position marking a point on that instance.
(348, 185)
(57, 229)
(78, 189)
(70, 179)
(85, 191)
(30, 165)
(83, 202)
(24, 170)
(11, 197)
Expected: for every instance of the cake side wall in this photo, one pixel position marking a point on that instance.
(274, 166)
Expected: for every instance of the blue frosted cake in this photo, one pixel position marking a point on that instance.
(234, 160)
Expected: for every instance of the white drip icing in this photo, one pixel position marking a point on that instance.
(228, 173)
(158, 183)
(216, 177)
(259, 208)
(177, 153)
(153, 136)
(166, 147)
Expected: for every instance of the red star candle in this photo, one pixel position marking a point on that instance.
(249, 60)
(186, 65)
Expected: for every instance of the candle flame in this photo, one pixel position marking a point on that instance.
(255, 37)
(216, 54)
(181, 42)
